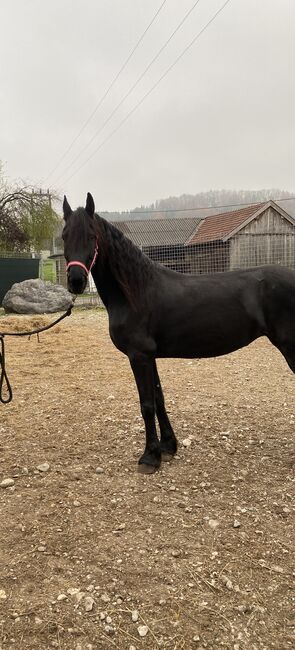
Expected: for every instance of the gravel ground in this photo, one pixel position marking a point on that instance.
(94, 555)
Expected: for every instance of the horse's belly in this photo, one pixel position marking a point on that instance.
(210, 340)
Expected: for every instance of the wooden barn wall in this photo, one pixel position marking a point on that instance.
(211, 257)
(270, 239)
(173, 256)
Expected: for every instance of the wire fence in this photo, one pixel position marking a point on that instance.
(247, 238)
(245, 250)
(215, 257)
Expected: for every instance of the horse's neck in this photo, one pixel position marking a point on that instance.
(123, 274)
(107, 287)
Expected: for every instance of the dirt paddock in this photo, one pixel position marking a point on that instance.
(198, 555)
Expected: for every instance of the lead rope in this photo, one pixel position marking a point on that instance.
(4, 381)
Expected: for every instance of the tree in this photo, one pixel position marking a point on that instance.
(27, 220)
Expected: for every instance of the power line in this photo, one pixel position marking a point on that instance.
(96, 134)
(149, 91)
(196, 209)
(83, 127)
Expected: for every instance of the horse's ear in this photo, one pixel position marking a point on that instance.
(66, 208)
(90, 207)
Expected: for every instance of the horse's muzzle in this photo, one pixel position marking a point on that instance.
(77, 280)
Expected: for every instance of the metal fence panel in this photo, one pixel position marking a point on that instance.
(14, 269)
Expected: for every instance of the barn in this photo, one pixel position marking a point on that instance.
(251, 236)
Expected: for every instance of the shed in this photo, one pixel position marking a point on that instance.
(252, 236)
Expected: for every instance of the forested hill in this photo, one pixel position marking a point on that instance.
(186, 203)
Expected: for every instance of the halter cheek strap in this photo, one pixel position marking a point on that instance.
(83, 266)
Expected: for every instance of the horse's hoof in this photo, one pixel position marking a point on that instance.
(166, 457)
(143, 468)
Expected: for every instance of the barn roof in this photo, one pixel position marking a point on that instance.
(159, 232)
(223, 226)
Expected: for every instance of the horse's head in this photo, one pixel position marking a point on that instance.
(80, 243)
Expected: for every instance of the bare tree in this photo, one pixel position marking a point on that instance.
(27, 219)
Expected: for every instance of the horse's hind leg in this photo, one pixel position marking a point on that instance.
(288, 351)
(168, 441)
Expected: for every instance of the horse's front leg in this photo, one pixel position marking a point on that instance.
(168, 442)
(143, 370)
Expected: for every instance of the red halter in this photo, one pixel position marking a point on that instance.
(83, 266)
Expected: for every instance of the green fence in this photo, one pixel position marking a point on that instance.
(14, 269)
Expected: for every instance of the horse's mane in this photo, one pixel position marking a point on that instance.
(129, 265)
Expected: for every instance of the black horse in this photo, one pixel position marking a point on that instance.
(155, 312)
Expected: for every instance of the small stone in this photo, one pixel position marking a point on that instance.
(244, 609)
(196, 638)
(142, 630)
(79, 596)
(109, 629)
(88, 604)
(132, 647)
(108, 620)
(61, 597)
(38, 620)
(43, 467)
(72, 591)
(135, 616)
(102, 616)
(105, 598)
(176, 553)
(41, 549)
(186, 442)
(277, 569)
(77, 503)
(236, 523)
(213, 523)
(7, 482)
(99, 470)
(227, 582)
(2, 594)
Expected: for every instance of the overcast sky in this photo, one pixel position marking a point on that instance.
(224, 116)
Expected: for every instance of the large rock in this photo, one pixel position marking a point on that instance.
(36, 297)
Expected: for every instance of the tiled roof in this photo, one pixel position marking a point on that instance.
(159, 232)
(220, 225)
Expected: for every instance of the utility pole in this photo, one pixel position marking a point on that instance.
(44, 195)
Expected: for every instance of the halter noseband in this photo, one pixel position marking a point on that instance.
(83, 266)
